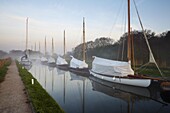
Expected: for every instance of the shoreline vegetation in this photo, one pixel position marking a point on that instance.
(4, 63)
(41, 101)
(106, 47)
(152, 71)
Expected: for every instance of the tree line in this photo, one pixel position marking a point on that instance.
(107, 48)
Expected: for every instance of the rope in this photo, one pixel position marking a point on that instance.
(124, 39)
(150, 51)
(133, 54)
(117, 15)
(121, 50)
(118, 52)
(142, 67)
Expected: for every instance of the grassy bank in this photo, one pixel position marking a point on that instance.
(4, 67)
(40, 99)
(153, 71)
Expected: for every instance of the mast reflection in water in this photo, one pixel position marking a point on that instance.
(78, 94)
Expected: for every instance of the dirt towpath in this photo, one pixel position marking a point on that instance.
(13, 98)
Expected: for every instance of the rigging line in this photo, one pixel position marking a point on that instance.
(144, 69)
(142, 66)
(122, 21)
(133, 52)
(150, 51)
(117, 15)
(120, 50)
(123, 44)
(79, 34)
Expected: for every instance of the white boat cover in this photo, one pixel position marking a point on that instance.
(75, 63)
(43, 59)
(111, 67)
(51, 60)
(61, 61)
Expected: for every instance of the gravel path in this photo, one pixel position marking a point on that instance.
(13, 98)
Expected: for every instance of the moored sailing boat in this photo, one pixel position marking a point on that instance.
(121, 71)
(78, 66)
(61, 62)
(25, 61)
(43, 58)
(51, 60)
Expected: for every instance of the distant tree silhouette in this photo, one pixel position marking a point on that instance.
(107, 49)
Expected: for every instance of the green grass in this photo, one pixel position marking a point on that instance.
(154, 72)
(40, 99)
(3, 70)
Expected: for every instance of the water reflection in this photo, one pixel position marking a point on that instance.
(79, 94)
(82, 82)
(45, 78)
(131, 95)
(28, 67)
(153, 92)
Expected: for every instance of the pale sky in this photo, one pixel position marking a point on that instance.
(104, 18)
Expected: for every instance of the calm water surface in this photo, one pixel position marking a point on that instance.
(78, 94)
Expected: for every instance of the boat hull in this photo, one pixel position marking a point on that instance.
(63, 67)
(52, 64)
(122, 80)
(83, 71)
(44, 62)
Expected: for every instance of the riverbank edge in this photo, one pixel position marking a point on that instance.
(40, 100)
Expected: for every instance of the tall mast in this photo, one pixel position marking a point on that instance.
(129, 39)
(39, 47)
(64, 45)
(35, 47)
(26, 33)
(45, 46)
(84, 39)
(39, 50)
(52, 47)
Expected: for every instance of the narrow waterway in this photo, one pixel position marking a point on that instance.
(79, 94)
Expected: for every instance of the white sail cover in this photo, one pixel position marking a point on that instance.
(43, 59)
(75, 63)
(61, 61)
(51, 60)
(111, 67)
